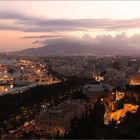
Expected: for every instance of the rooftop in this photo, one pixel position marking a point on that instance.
(97, 87)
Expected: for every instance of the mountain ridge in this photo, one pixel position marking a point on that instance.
(80, 48)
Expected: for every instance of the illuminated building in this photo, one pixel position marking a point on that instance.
(99, 78)
(95, 91)
(58, 119)
(134, 80)
(122, 112)
(119, 95)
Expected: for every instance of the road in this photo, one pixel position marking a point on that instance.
(24, 88)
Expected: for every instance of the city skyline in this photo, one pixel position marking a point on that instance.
(33, 24)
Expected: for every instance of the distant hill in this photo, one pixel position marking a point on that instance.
(68, 47)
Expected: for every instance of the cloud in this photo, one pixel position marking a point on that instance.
(10, 27)
(42, 36)
(30, 23)
(36, 42)
(101, 40)
(120, 44)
